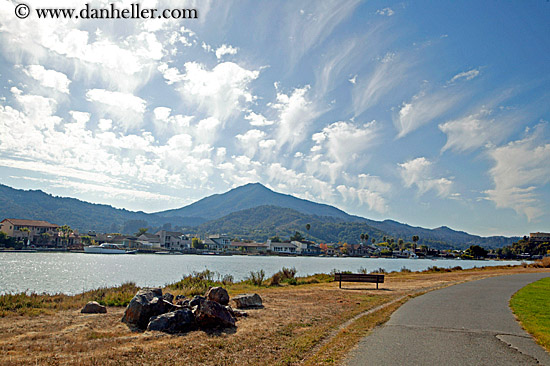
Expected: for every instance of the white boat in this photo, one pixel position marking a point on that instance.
(105, 248)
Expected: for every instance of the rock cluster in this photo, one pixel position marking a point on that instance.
(151, 310)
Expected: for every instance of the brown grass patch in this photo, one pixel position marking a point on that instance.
(304, 324)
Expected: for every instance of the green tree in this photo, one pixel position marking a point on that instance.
(400, 243)
(366, 237)
(28, 233)
(197, 243)
(275, 239)
(45, 238)
(297, 236)
(373, 241)
(362, 236)
(65, 232)
(141, 231)
(415, 239)
(476, 251)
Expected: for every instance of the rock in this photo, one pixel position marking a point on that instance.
(236, 313)
(180, 297)
(168, 297)
(173, 322)
(244, 301)
(145, 304)
(196, 300)
(218, 294)
(93, 307)
(210, 314)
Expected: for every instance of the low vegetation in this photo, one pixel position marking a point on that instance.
(530, 304)
(305, 320)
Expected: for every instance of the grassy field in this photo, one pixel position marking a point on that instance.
(305, 321)
(531, 305)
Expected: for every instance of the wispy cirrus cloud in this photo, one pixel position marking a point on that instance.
(520, 170)
(418, 172)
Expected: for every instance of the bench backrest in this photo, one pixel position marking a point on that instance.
(359, 277)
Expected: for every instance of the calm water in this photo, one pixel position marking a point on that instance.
(72, 273)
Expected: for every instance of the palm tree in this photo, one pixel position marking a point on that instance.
(28, 234)
(362, 238)
(415, 238)
(308, 226)
(400, 242)
(373, 241)
(66, 232)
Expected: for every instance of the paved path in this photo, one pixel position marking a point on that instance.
(465, 324)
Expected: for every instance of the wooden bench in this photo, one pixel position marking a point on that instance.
(359, 277)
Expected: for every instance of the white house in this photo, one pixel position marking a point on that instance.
(288, 248)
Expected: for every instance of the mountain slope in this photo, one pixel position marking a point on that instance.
(84, 216)
(262, 222)
(251, 211)
(249, 196)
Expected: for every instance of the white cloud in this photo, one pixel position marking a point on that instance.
(521, 169)
(374, 200)
(221, 92)
(386, 76)
(49, 78)
(128, 102)
(322, 18)
(386, 11)
(343, 144)
(467, 75)
(258, 119)
(418, 172)
(422, 109)
(225, 50)
(127, 109)
(471, 132)
(296, 113)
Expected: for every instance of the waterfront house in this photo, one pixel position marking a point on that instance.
(282, 248)
(306, 247)
(249, 248)
(39, 232)
(172, 240)
(218, 242)
(147, 240)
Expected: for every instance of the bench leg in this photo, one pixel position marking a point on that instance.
(377, 285)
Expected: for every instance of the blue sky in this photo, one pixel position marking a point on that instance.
(429, 113)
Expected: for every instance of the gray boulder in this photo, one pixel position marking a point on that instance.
(173, 322)
(146, 303)
(196, 300)
(245, 301)
(168, 297)
(210, 314)
(218, 294)
(93, 307)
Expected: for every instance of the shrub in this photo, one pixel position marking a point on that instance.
(379, 270)
(256, 278)
(541, 263)
(405, 270)
(363, 270)
(287, 273)
(227, 280)
(275, 280)
(197, 283)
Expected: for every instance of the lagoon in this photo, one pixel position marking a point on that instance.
(72, 273)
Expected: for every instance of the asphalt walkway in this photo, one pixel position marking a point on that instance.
(465, 324)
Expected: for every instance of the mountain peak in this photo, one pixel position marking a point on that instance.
(249, 196)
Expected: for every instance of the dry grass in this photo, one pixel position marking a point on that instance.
(309, 324)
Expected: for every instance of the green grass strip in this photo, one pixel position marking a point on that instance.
(531, 305)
